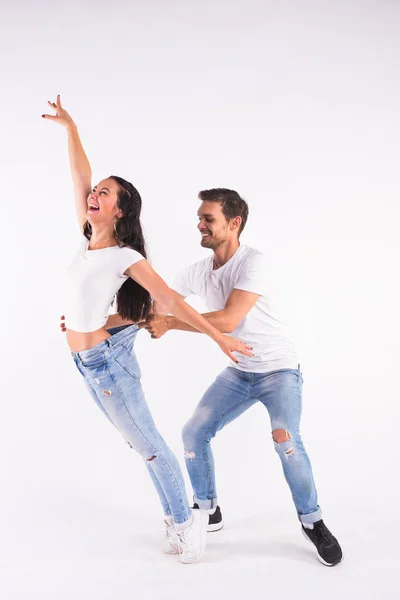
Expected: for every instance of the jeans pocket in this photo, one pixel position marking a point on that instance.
(126, 360)
(94, 362)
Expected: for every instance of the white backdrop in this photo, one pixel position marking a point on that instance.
(295, 105)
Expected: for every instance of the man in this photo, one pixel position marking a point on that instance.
(232, 282)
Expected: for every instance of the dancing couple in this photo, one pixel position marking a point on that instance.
(111, 263)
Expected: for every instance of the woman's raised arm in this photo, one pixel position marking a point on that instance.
(80, 167)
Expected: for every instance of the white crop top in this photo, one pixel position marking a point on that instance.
(93, 279)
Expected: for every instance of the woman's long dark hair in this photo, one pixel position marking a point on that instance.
(133, 301)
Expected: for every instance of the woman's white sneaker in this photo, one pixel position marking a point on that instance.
(171, 539)
(192, 540)
(215, 522)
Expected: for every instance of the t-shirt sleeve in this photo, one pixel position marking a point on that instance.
(184, 282)
(126, 258)
(252, 275)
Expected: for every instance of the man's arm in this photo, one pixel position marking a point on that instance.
(236, 308)
(117, 321)
(217, 318)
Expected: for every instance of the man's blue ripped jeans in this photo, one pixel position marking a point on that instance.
(231, 394)
(112, 375)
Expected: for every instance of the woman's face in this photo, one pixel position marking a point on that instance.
(103, 203)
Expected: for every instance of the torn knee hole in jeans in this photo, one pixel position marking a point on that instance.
(107, 392)
(190, 454)
(281, 436)
(151, 458)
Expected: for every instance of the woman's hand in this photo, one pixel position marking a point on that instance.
(61, 115)
(229, 344)
(78, 161)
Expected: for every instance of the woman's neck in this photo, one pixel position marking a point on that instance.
(101, 238)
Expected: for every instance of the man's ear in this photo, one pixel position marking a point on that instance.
(235, 223)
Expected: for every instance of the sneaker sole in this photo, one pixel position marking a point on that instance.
(171, 552)
(321, 560)
(215, 527)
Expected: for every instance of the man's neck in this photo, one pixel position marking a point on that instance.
(224, 253)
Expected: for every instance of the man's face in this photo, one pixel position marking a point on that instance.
(213, 226)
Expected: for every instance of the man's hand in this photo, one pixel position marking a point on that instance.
(156, 325)
(62, 324)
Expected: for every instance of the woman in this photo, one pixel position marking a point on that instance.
(112, 261)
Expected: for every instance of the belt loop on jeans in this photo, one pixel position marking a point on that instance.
(76, 357)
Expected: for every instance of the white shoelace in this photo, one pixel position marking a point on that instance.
(184, 545)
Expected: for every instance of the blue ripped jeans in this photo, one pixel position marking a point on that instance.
(112, 375)
(231, 394)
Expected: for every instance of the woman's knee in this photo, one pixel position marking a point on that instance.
(146, 450)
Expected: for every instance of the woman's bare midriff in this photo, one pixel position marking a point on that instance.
(78, 341)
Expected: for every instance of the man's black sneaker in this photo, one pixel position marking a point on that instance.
(329, 551)
(215, 521)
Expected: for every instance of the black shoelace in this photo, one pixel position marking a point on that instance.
(322, 534)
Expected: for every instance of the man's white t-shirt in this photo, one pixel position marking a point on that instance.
(245, 270)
